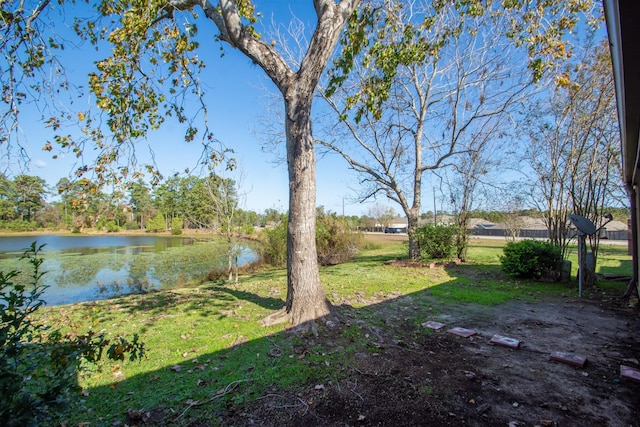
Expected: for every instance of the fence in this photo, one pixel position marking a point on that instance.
(544, 234)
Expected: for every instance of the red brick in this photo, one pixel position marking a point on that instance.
(433, 325)
(629, 373)
(505, 341)
(462, 332)
(569, 358)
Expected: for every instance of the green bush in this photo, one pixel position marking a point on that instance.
(273, 245)
(112, 227)
(436, 241)
(176, 226)
(335, 242)
(156, 224)
(530, 259)
(132, 225)
(101, 224)
(19, 225)
(39, 365)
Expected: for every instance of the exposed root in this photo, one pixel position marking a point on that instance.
(308, 324)
(280, 316)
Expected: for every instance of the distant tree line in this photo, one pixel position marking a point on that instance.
(81, 205)
(188, 200)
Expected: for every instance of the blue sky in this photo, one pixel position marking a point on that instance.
(236, 99)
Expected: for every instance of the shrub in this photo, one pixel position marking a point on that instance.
(335, 242)
(176, 226)
(530, 259)
(101, 224)
(156, 224)
(436, 241)
(273, 245)
(112, 227)
(19, 225)
(132, 225)
(39, 365)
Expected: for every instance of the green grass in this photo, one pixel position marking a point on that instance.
(207, 351)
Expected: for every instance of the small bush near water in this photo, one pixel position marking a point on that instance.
(335, 242)
(530, 259)
(273, 245)
(39, 365)
(176, 226)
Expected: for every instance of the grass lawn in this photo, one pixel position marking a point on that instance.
(208, 353)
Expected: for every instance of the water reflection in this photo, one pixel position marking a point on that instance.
(85, 268)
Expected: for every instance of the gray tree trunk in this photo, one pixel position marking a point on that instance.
(306, 299)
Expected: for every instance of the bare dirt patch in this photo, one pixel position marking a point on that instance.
(409, 375)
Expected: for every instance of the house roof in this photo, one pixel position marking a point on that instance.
(624, 37)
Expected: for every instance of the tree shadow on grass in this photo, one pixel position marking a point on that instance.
(208, 301)
(269, 303)
(377, 362)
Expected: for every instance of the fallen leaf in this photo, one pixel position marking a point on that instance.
(176, 368)
(319, 387)
(85, 393)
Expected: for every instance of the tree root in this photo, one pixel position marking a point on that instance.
(280, 316)
(300, 325)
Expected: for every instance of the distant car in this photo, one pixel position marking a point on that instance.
(394, 230)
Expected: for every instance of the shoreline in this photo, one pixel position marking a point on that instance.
(93, 232)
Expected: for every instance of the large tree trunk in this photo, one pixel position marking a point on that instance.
(306, 299)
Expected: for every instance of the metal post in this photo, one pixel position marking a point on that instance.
(581, 260)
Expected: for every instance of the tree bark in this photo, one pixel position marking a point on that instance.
(306, 299)
(412, 229)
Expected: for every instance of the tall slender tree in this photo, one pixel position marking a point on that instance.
(574, 148)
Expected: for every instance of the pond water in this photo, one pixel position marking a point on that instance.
(88, 268)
